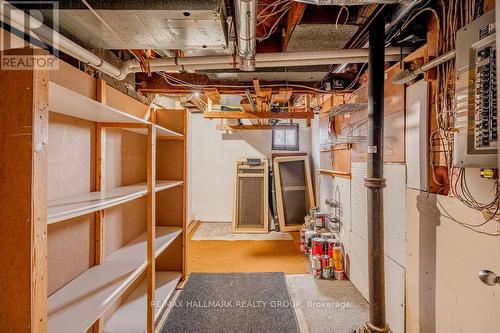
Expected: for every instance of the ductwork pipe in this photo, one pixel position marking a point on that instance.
(19, 20)
(246, 27)
(264, 60)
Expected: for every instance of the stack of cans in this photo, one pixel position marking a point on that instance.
(324, 252)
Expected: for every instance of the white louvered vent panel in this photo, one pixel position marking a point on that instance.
(359, 219)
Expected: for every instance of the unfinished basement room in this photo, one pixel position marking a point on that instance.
(254, 166)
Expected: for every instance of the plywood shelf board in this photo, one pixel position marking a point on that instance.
(131, 316)
(77, 305)
(86, 203)
(70, 103)
(161, 132)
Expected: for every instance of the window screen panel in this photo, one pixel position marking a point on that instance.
(293, 189)
(251, 202)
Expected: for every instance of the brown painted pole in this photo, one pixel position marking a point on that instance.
(375, 182)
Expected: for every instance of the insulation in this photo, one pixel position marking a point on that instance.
(320, 37)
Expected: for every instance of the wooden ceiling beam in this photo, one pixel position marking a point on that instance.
(293, 18)
(258, 115)
(156, 84)
(244, 127)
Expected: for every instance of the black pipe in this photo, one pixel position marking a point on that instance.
(375, 181)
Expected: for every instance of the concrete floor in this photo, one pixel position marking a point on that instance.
(326, 306)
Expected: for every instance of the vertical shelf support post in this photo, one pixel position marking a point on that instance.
(151, 179)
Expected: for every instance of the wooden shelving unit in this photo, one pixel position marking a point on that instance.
(92, 242)
(76, 306)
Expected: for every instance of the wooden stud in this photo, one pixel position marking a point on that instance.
(151, 223)
(100, 168)
(210, 105)
(23, 197)
(308, 109)
(184, 202)
(294, 17)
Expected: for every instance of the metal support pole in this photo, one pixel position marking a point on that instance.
(375, 181)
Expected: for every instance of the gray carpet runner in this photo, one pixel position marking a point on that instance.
(233, 302)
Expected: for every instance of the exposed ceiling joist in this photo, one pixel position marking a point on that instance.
(258, 115)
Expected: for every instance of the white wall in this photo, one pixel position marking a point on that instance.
(356, 244)
(443, 258)
(212, 161)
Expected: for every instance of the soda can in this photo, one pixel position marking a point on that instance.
(317, 273)
(325, 261)
(326, 273)
(339, 275)
(315, 262)
(330, 244)
(318, 246)
(338, 260)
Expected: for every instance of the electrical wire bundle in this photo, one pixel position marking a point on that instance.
(267, 10)
(453, 15)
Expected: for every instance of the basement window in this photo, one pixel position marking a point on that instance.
(286, 137)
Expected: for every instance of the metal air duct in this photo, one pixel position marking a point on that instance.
(246, 25)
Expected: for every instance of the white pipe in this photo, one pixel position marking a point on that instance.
(16, 18)
(335, 54)
(264, 60)
(407, 76)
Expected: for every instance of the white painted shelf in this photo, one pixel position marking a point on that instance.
(161, 132)
(76, 306)
(66, 208)
(131, 316)
(70, 103)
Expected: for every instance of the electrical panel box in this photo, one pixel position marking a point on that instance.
(476, 137)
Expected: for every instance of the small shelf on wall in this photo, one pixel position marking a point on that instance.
(66, 208)
(334, 173)
(347, 108)
(131, 316)
(76, 306)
